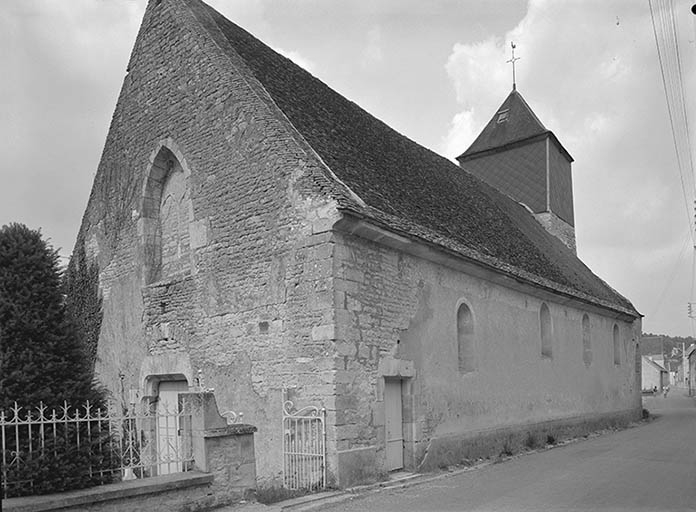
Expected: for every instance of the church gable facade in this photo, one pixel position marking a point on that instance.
(256, 230)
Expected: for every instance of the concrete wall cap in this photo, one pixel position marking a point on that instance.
(230, 430)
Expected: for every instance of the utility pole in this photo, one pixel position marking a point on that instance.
(662, 349)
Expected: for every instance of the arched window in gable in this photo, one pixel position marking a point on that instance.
(546, 331)
(166, 216)
(586, 341)
(174, 220)
(617, 345)
(465, 339)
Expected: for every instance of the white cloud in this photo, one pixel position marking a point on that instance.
(596, 84)
(372, 54)
(463, 130)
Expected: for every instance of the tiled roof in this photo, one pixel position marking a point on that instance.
(657, 366)
(404, 186)
(514, 121)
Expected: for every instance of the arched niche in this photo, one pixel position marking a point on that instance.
(164, 367)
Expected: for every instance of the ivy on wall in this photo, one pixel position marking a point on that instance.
(83, 300)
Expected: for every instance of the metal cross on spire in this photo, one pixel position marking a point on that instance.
(512, 61)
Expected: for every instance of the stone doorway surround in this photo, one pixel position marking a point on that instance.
(400, 369)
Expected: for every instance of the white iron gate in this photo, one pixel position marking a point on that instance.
(103, 446)
(304, 447)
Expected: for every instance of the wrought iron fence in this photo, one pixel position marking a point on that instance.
(304, 447)
(50, 450)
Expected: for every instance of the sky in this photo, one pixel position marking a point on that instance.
(435, 71)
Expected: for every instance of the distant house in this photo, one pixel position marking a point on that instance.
(671, 366)
(653, 374)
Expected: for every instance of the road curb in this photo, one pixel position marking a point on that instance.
(315, 501)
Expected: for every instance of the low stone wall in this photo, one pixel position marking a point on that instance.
(177, 492)
(467, 447)
(225, 473)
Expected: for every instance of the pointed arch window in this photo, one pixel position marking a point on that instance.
(465, 339)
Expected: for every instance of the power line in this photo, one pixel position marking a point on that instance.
(665, 32)
(673, 274)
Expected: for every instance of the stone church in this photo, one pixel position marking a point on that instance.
(255, 228)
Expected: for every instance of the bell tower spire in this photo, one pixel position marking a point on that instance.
(516, 154)
(512, 61)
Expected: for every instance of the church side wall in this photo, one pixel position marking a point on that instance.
(397, 318)
(250, 306)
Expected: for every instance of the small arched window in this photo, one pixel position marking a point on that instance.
(465, 339)
(586, 341)
(546, 331)
(617, 345)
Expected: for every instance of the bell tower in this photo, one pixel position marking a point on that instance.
(517, 155)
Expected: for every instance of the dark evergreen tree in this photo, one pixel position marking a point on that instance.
(41, 357)
(42, 360)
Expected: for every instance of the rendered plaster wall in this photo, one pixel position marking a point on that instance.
(396, 310)
(252, 309)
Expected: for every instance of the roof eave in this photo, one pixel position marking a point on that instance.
(466, 156)
(363, 225)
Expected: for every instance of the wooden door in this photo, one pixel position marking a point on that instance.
(393, 424)
(169, 444)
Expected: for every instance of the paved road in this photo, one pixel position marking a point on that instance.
(648, 468)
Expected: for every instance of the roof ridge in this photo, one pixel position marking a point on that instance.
(374, 171)
(302, 141)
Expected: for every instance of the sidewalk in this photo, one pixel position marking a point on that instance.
(398, 481)
(322, 499)
(404, 479)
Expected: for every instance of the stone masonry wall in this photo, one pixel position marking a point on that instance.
(254, 312)
(396, 311)
(558, 228)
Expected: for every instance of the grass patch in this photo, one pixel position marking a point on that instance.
(507, 450)
(531, 441)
